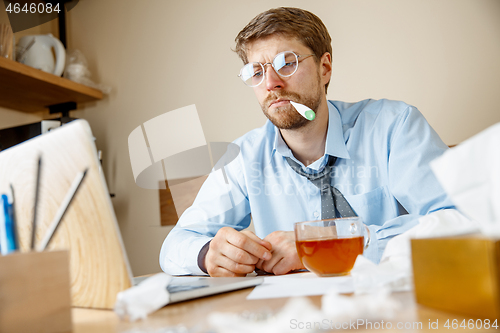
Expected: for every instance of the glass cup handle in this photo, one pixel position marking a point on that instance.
(367, 243)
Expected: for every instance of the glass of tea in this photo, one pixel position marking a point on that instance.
(330, 247)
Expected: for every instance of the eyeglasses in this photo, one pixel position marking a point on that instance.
(285, 64)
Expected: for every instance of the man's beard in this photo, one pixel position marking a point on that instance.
(286, 117)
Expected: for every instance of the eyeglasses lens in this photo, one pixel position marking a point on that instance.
(285, 64)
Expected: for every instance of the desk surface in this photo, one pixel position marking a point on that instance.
(195, 312)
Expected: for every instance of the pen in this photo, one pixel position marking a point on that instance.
(3, 235)
(10, 236)
(14, 218)
(37, 191)
(62, 209)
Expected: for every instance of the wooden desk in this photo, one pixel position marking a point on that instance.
(195, 313)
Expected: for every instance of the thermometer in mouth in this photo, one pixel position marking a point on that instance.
(304, 111)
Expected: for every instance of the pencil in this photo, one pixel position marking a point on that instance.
(14, 219)
(63, 208)
(35, 209)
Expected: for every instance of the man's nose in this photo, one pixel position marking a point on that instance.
(273, 80)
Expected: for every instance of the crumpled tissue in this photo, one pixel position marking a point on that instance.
(373, 306)
(296, 310)
(300, 314)
(470, 174)
(443, 223)
(148, 296)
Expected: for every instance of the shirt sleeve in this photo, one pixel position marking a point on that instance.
(221, 202)
(413, 145)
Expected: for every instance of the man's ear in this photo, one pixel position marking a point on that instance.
(325, 63)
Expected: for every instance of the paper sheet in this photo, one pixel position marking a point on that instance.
(300, 284)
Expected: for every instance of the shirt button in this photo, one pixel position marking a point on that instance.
(316, 214)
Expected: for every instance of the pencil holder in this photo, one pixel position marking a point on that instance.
(35, 292)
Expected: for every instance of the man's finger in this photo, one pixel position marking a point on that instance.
(246, 243)
(268, 265)
(281, 267)
(217, 261)
(238, 255)
(223, 272)
(254, 237)
(233, 266)
(259, 264)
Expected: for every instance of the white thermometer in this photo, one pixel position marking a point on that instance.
(304, 111)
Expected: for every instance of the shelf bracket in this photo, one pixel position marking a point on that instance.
(64, 109)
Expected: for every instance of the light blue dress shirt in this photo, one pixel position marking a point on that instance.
(383, 150)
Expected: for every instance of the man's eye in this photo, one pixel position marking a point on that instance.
(290, 64)
(257, 74)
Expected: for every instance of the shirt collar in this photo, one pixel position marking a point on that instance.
(335, 142)
(280, 145)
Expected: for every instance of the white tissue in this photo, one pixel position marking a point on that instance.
(390, 275)
(470, 174)
(148, 296)
(374, 306)
(443, 223)
(297, 311)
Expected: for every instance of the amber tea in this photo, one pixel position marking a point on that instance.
(330, 247)
(334, 256)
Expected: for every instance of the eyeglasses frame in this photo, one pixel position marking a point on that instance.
(299, 60)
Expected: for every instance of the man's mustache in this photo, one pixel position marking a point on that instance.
(283, 95)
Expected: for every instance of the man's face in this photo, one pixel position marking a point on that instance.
(305, 86)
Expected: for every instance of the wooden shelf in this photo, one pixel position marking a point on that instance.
(27, 89)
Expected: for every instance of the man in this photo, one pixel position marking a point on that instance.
(374, 154)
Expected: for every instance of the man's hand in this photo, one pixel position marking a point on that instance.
(284, 251)
(235, 253)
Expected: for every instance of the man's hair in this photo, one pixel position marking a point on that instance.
(287, 22)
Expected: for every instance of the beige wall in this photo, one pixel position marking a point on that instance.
(441, 56)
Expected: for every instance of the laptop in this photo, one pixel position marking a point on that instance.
(183, 288)
(99, 265)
